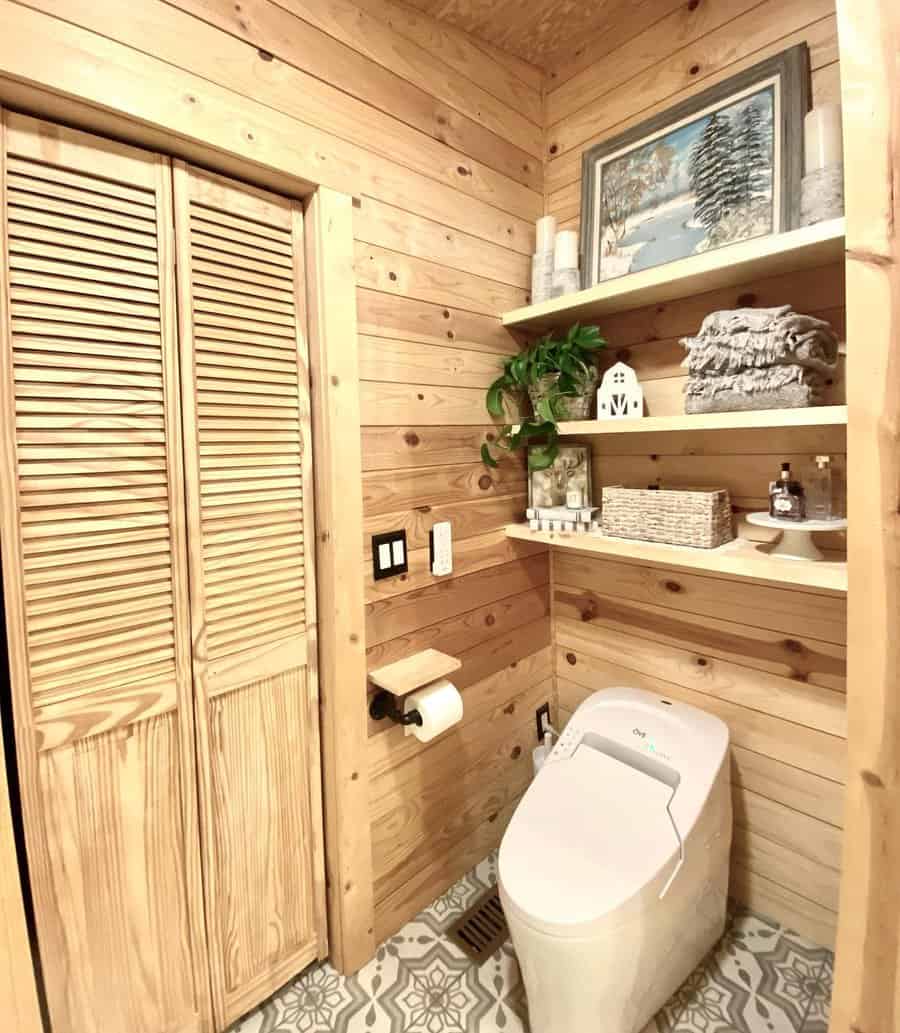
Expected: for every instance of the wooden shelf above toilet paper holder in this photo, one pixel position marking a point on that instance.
(405, 676)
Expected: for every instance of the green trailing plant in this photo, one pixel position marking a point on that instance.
(573, 358)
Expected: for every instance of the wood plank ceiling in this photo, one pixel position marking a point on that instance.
(539, 31)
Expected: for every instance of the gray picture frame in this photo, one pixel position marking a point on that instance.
(793, 69)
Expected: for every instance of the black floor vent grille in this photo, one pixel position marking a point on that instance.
(482, 929)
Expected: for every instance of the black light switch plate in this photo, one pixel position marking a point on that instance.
(389, 556)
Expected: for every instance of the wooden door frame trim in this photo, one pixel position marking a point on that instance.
(337, 447)
(867, 975)
(331, 301)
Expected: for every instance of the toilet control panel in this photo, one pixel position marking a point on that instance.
(567, 743)
(574, 737)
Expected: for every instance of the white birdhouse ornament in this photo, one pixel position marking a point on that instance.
(619, 393)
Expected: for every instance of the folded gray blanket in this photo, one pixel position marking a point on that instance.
(744, 339)
(779, 387)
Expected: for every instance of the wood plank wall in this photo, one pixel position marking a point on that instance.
(769, 661)
(440, 141)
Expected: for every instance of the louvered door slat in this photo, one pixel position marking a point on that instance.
(105, 291)
(95, 580)
(26, 195)
(74, 192)
(43, 263)
(245, 387)
(229, 227)
(247, 286)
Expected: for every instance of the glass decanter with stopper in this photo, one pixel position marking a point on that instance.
(787, 500)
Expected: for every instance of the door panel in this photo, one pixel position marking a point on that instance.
(95, 579)
(260, 789)
(249, 484)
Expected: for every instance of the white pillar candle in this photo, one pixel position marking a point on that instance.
(541, 276)
(823, 143)
(546, 232)
(565, 251)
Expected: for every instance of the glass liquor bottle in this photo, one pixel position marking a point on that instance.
(786, 497)
(819, 495)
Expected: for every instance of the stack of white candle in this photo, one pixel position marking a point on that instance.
(565, 264)
(542, 260)
(822, 190)
(554, 265)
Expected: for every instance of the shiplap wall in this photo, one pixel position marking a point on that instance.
(440, 141)
(769, 661)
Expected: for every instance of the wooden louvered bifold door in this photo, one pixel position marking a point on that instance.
(95, 580)
(248, 463)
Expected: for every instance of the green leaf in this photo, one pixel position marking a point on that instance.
(517, 369)
(570, 365)
(495, 398)
(530, 430)
(542, 457)
(486, 456)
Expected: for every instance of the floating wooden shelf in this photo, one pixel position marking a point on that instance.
(815, 416)
(738, 559)
(414, 671)
(724, 267)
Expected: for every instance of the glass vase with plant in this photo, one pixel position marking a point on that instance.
(560, 376)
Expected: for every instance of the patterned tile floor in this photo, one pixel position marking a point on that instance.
(760, 979)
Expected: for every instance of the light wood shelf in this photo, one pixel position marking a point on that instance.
(766, 419)
(728, 266)
(740, 559)
(411, 673)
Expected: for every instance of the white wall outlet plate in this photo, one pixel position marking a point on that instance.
(441, 549)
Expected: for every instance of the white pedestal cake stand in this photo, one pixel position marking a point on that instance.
(796, 535)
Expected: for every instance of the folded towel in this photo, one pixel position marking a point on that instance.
(780, 387)
(746, 339)
(752, 350)
(729, 320)
(760, 319)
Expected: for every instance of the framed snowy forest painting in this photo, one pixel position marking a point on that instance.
(721, 167)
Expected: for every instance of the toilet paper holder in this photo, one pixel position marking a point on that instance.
(384, 704)
(403, 677)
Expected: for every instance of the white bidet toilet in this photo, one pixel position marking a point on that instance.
(614, 869)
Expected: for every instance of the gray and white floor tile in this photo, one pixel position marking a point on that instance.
(820, 1007)
(760, 979)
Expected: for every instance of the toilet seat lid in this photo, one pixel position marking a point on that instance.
(588, 835)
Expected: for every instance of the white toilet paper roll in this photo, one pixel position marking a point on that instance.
(440, 705)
